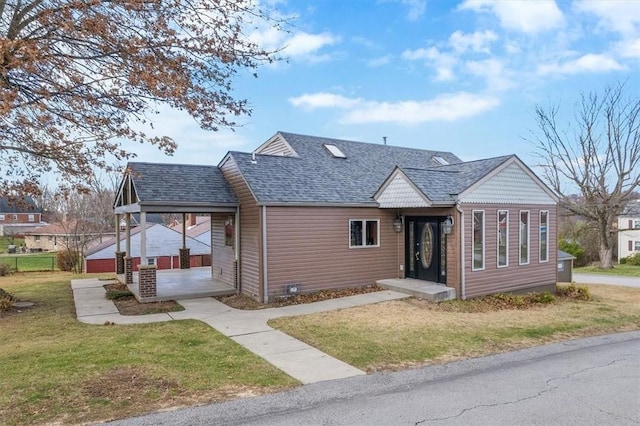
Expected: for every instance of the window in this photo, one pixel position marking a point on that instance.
(637, 246)
(151, 261)
(524, 237)
(335, 151)
(1, 217)
(50, 237)
(36, 237)
(364, 233)
(15, 217)
(503, 238)
(440, 160)
(544, 236)
(32, 218)
(636, 224)
(478, 240)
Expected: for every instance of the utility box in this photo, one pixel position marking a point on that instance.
(565, 267)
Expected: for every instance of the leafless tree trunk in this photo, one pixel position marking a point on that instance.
(599, 158)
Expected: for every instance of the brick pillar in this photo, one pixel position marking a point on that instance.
(184, 258)
(147, 281)
(128, 270)
(120, 262)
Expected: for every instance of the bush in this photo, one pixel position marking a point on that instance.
(574, 249)
(634, 259)
(544, 297)
(67, 260)
(5, 304)
(573, 291)
(6, 269)
(118, 294)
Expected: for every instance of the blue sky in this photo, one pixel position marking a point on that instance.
(459, 76)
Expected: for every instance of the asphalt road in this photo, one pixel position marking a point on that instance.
(593, 381)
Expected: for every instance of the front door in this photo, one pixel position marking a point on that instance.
(424, 249)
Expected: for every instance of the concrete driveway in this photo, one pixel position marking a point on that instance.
(607, 279)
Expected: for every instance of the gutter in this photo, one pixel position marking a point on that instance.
(265, 294)
(463, 289)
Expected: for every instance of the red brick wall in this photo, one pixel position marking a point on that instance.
(162, 262)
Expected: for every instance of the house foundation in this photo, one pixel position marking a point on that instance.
(147, 283)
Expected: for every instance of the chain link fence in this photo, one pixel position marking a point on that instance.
(30, 263)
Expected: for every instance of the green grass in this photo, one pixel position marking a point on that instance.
(31, 262)
(4, 242)
(619, 270)
(394, 335)
(58, 370)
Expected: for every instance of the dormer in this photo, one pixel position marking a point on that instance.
(276, 145)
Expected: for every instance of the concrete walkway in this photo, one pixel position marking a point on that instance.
(248, 328)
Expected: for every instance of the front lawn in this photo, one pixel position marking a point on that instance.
(55, 369)
(394, 335)
(621, 270)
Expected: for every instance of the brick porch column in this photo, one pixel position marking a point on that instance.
(184, 258)
(128, 270)
(147, 281)
(120, 262)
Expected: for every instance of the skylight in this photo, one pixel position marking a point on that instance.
(335, 151)
(440, 160)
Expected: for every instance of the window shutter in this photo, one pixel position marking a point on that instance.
(630, 245)
(630, 223)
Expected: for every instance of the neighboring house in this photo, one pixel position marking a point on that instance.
(73, 235)
(322, 213)
(17, 216)
(198, 227)
(629, 230)
(162, 248)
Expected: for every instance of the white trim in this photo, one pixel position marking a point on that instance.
(473, 242)
(272, 139)
(463, 284)
(364, 233)
(540, 236)
(498, 265)
(528, 212)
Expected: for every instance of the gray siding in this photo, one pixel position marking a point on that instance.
(310, 246)
(515, 277)
(250, 231)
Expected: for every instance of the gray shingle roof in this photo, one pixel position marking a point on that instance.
(180, 183)
(317, 177)
(18, 205)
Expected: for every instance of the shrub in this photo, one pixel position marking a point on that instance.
(67, 260)
(5, 304)
(634, 259)
(118, 294)
(573, 291)
(6, 269)
(574, 249)
(544, 297)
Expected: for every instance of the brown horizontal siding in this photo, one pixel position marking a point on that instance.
(515, 276)
(250, 231)
(310, 246)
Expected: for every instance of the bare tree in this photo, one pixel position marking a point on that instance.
(599, 157)
(78, 78)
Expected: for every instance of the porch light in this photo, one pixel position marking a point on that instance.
(447, 225)
(397, 224)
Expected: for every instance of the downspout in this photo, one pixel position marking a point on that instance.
(463, 292)
(237, 250)
(265, 294)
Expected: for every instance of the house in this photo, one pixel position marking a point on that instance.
(161, 251)
(313, 213)
(198, 227)
(72, 235)
(629, 230)
(18, 215)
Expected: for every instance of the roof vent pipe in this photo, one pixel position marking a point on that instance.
(253, 158)
(384, 139)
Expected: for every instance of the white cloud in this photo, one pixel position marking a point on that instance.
(494, 73)
(443, 63)
(479, 41)
(416, 8)
(446, 107)
(621, 16)
(629, 48)
(379, 61)
(323, 100)
(589, 63)
(526, 16)
(302, 44)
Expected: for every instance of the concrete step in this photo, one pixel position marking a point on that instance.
(418, 288)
